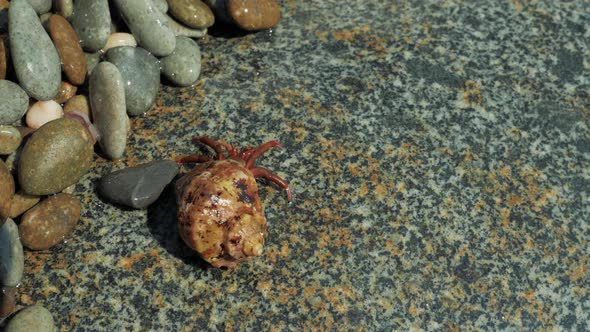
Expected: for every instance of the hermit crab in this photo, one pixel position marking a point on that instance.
(219, 212)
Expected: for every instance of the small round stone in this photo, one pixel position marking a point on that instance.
(7, 301)
(66, 91)
(32, 319)
(10, 139)
(42, 112)
(120, 39)
(193, 13)
(254, 14)
(13, 102)
(6, 191)
(11, 255)
(21, 202)
(49, 222)
(78, 103)
(65, 8)
(183, 66)
(68, 47)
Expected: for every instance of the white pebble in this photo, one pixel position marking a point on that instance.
(120, 39)
(42, 112)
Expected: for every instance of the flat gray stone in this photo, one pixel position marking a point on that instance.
(183, 66)
(138, 186)
(141, 76)
(181, 30)
(40, 6)
(92, 21)
(34, 57)
(13, 102)
(32, 319)
(148, 25)
(12, 259)
(107, 104)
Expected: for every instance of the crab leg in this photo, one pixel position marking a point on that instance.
(252, 156)
(261, 172)
(211, 143)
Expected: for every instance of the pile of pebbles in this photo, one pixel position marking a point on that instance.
(50, 50)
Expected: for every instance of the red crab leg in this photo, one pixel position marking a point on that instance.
(212, 143)
(261, 172)
(259, 151)
(193, 159)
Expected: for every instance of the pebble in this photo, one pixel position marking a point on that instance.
(181, 30)
(254, 14)
(49, 222)
(148, 26)
(7, 301)
(192, 13)
(68, 47)
(120, 39)
(219, 7)
(141, 77)
(161, 5)
(138, 186)
(12, 259)
(92, 59)
(42, 112)
(40, 6)
(107, 103)
(6, 191)
(64, 8)
(13, 102)
(183, 66)
(32, 319)
(55, 157)
(21, 202)
(66, 91)
(78, 103)
(3, 60)
(34, 57)
(92, 22)
(10, 139)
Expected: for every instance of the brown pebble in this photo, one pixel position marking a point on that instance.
(78, 103)
(50, 221)
(4, 4)
(67, 44)
(3, 60)
(21, 202)
(192, 13)
(6, 191)
(10, 139)
(7, 301)
(254, 14)
(66, 91)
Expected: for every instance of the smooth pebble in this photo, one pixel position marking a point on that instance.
(181, 30)
(32, 319)
(10, 139)
(193, 13)
(161, 5)
(66, 91)
(40, 6)
(68, 47)
(120, 39)
(254, 14)
(13, 102)
(78, 103)
(12, 259)
(21, 202)
(183, 66)
(64, 8)
(92, 59)
(6, 190)
(42, 112)
(7, 301)
(92, 21)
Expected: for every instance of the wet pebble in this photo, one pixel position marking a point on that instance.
(120, 39)
(66, 91)
(32, 319)
(34, 57)
(107, 103)
(10, 139)
(40, 6)
(192, 13)
(7, 301)
(183, 66)
(13, 102)
(68, 47)
(42, 112)
(254, 14)
(146, 23)
(78, 103)
(49, 222)
(6, 190)
(92, 22)
(161, 5)
(181, 30)
(64, 8)
(55, 157)
(138, 186)
(12, 258)
(141, 77)
(21, 202)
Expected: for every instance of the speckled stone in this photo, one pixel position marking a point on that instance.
(34, 57)
(49, 222)
(193, 13)
(138, 186)
(254, 15)
(141, 77)
(40, 6)
(13, 102)
(32, 319)
(68, 47)
(161, 5)
(11, 255)
(183, 66)
(21, 202)
(92, 59)
(3, 59)
(7, 301)
(64, 8)
(92, 22)
(78, 103)
(181, 30)
(55, 157)
(10, 139)
(148, 26)
(6, 190)
(66, 91)
(107, 103)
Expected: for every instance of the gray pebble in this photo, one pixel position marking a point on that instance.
(141, 76)
(181, 30)
(183, 66)
(32, 319)
(12, 259)
(138, 186)
(92, 22)
(35, 59)
(107, 104)
(162, 5)
(148, 26)
(40, 6)
(13, 102)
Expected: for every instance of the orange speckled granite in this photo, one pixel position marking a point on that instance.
(439, 155)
